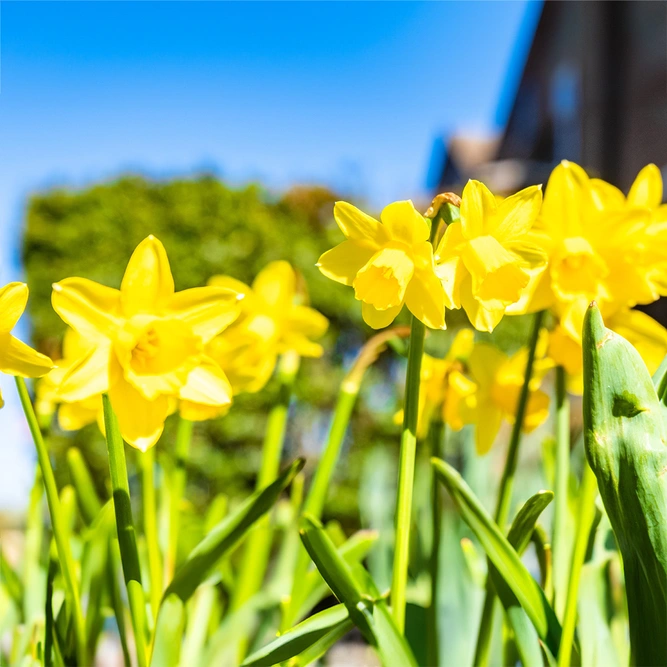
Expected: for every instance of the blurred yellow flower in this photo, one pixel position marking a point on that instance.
(486, 260)
(272, 322)
(388, 263)
(72, 415)
(444, 385)
(150, 340)
(499, 379)
(17, 358)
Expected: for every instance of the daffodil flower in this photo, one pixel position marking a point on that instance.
(486, 260)
(499, 379)
(150, 340)
(388, 263)
(272, 322)
(17, 358)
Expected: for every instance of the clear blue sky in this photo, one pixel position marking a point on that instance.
(347, 94)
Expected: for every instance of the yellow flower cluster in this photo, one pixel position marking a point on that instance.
(155, 351)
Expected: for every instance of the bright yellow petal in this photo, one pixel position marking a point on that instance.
(355, 224)
(565, 351)
(458, 389)
(404, 223)
(449, 266)
(484, 362)
(644, 333)
(207, 310)
(378, 319)
(196, 412)
(76, 346)
(496, 272)
(516, 214)
(147, 284)
(297, 342)
(647, 188)
(275, 285)
(605, 195)
(207, 385)
(462, 345)
(74, 416)
(537, 410)
(478, 209)
(87, 376)
(383, 281)
(13, 299)
(566, 199)
(482, 318)
(306, 321)
(343, 262)
(425, 298)
(140, 421)
(229, 283)
(88, 307)
(17, 358)
(486, 429)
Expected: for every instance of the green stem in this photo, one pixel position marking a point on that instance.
(58, 522)
(505, 492)
(585, 516)
(559, 542)
(406, 473)
(436, 438)
(176, 493)
(258, 543)
(127, 538)
(147, 461)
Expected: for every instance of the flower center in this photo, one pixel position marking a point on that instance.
(146, 349)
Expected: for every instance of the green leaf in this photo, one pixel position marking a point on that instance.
(89, 502)
(169, 632)
(301, 637)
(226, 534)
(526, 518)
(502, 555)
(625, 435)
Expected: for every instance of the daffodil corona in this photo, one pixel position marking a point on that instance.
(388, 263)
(149, 349)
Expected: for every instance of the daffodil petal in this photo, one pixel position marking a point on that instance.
(516, 214)
(478, 207)
(647, 188)
(141, 421)
(307, 321)
(13, 299)
(87, 376)
(297, 342)
(425, 298)
(384, 279)
(74, 416)
(207, 310)
(566, 199)
(229, 283)
(87, 306)
(196, 412)
(486, 429)
(147, 284)
(17, 358)
(275, 285)
(208, 385)
(378, 319)
(404, 223)
(343, 262)
(355, 224)
(647, 335)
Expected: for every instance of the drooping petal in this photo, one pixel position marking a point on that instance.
(140, 420)
(208, 385)
(425, 298)
(496, 272)
(147, 284)
(13, 299)
(207, 310)
(404, 223)
(383, 281)
(87, 376)
(481, 317)
(355, 224)
(17, 358)
(647, 188)
(275, 286)
(516, 214)
(378, 319)
(478, 209)
(343, 262)
(87, 306)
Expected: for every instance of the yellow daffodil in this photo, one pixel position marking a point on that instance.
(486, 260)
(272, 322)
(72, 415)
(444, 385)
(150, 340)
(388, 263)
(17, 358)
(499, 379)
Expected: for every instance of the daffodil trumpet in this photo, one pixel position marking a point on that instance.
(506, 488)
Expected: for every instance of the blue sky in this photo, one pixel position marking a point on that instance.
(351, 95)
